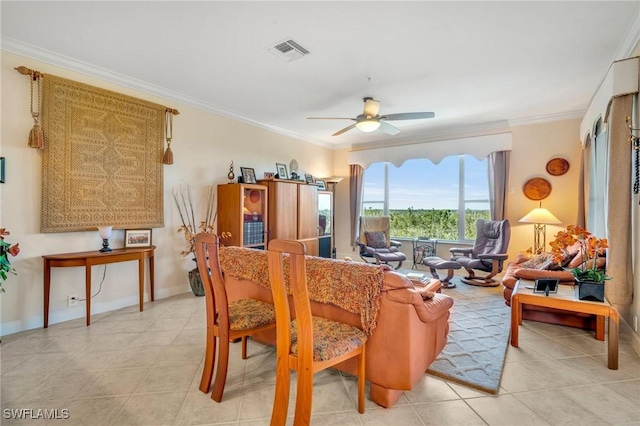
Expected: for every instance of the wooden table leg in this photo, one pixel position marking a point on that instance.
(515, 319)
(141, 282)
(47, 291)
(152, 277)
(87, 292)
(600, 327)
(612, 349)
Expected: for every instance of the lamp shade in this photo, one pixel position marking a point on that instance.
(540, 215)
(105, 232)
(368, 125)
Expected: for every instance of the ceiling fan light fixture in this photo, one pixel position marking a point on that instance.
(368, 125)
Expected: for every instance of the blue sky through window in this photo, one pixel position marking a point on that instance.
(420, 184)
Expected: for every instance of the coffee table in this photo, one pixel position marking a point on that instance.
(567, 300)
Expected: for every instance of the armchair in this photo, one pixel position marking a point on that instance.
(487, 254)
(375, 242)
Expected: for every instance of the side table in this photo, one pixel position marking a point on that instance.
(565, 299)
(423, 247)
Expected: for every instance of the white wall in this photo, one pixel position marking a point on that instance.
(204, 144)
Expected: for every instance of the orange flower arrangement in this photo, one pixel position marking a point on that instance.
(590, 246)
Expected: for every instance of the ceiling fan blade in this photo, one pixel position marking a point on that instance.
(371, 107)
(331, 118)
(346, 129)
(388, 128)
(408, 116)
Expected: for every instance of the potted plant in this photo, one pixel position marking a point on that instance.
(184, 203)
(6, 249)
(589, 276)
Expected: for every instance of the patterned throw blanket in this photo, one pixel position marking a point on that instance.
(353, 286)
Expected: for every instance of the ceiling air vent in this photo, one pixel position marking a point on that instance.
(288, 50)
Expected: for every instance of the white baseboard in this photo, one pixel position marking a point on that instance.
(37, 321)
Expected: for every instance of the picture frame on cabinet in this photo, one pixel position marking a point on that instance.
(248, 175)
(282, 171)
(269, 175)
(308, 178)
(321, 184)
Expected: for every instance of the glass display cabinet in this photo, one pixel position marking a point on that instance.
(242, 212)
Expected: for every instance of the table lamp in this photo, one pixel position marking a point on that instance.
(540, 217)
(105, 233)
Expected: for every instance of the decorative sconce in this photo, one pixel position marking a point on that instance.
(635, 145)
(105, 233)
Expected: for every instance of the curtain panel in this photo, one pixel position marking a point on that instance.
(356, 180)
(619, 291)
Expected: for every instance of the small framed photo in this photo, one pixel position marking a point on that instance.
(137, 238)
(308, 178)
(1, 169)
(282, 171)
(269, 175)
(248, 175)
(321, 184)
(546, 285)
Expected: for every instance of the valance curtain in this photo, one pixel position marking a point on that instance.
(477, 146)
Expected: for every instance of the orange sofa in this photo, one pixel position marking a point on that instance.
(409, 334)
(517, 270)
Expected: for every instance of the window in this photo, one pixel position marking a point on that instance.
(424, 199)
(598, 181)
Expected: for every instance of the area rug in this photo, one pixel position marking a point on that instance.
(479, 328)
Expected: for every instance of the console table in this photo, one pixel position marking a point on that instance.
(91, 258)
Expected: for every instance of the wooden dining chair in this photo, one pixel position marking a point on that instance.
(225, 321)
(307, 344)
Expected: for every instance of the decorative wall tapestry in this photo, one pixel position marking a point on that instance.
(102, 159)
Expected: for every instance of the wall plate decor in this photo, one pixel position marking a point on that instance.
(537, 188)
(557, 166)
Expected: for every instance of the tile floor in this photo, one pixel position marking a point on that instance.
(139, 368)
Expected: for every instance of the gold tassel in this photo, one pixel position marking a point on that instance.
(168, 155)
(168, 131)
(36, 135)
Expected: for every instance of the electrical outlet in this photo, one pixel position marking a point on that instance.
(72, 301)
(635, 323)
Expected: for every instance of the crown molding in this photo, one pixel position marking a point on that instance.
(569, 115)
(630, 40)
(71, 64)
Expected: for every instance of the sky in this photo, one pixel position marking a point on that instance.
(420, 184)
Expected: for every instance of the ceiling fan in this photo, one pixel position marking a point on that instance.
(370, 120)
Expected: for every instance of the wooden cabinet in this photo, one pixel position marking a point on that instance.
(293, 212)
(242, 212)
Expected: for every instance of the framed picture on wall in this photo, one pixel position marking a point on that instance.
(137, 238)
(282, 171)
